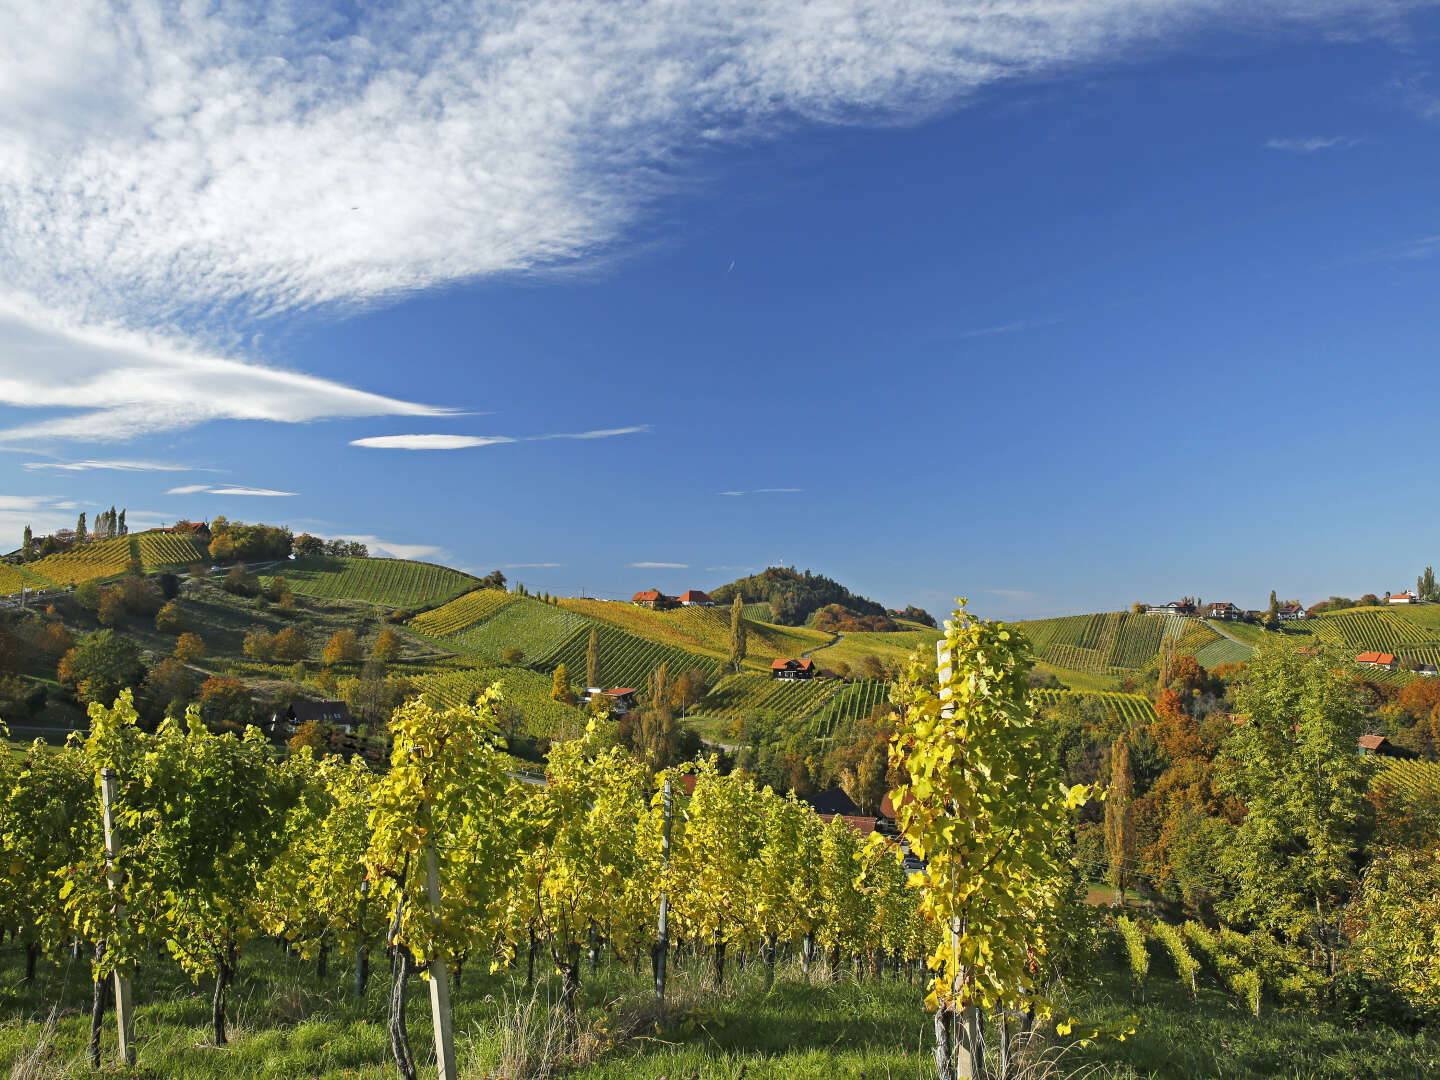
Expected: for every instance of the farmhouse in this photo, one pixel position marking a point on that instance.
(653, 599)
(1224, 610)
(622, 698)
(828, 805)
(1427, 669)
(1174, 607)
(331, 714)
(1291, 612)
(1377, 659)
(694, 598)
(1402, 598)
(1380, 746)
(792, 669)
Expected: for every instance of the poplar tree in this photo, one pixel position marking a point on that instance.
(27, 548)
(80, 530)
(738, 643)
(1425, 586)
(124, 529)
(1119, 827)
(1272, 614)
(592, 660)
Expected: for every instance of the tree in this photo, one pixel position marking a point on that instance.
(168, 687)
(387, 646)
(124, 529)
(513, 656)
(27, 546)
(984, 804)
(1426, 587)
(101, 665)
(259, 645)
(592, 660)
(1295, 858)
(290, 645)
(1119, 825)
(1272, 613)
(659, 734)
(111, 611)
(87, 595)
(1395, 923)
(342, 646)
(225, 704)
(189, 646)
(305, 544)
(738, 643)
(560, 686)
(82, 534)
(170, 619)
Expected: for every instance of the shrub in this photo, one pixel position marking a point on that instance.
(1136, 951)
(1246, 985)
(259, 645)
(189, 646)
(170, 619)
(290, 645)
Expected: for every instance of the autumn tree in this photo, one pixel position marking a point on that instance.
(27, 546)
(387, 646)
(170, 619)
(111, 611)
(189, 647)
(101, 665)
(1272, 613)
(168, 688)
(738, 643)
(259, 645)
(290, 645)
(225, 703)
(560, 686)
(1426, 587)
(592, 660)
(342, 646)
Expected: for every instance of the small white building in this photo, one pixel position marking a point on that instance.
(1402, 598)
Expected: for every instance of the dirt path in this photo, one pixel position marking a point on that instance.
(833, 641)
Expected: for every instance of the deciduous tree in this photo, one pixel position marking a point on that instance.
(739, 644)
(342, 646)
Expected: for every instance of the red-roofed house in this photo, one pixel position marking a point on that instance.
(792, 669)
(1377, 659)
(1402, 598)
(622, 698)
(1224, 610)
(1383, 747)
(653, 599)
(694, 598)
(1290, 612)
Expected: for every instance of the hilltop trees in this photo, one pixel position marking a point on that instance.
(793, 596)
(1426, 588)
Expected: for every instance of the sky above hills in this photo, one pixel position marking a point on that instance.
(1057, 305)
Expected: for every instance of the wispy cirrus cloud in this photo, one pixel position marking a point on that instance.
(462, 442)
(660, 565)
(202, 167)
(196, 489)
(764, 491)
(1313, 143)
(113, 466)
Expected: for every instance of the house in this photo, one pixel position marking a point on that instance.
(1403, 598)
(1377, 659)
(1380, 746)
(332, 714)
(1224, 610)
(622, 698)
(792, 669)
(694, 598)
(653, 599)
(1174, 607)
(1427, 669)
(1291, 612)
(828, 805)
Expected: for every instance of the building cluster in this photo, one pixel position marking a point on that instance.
(655, 600)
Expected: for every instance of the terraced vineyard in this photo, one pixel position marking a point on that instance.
(392, 583)
(538, 630)
(161, 550)
(526, 690)
(744, 696)
(701, 629)
(1409, 777)
(852, 702)
(1223, 651)
(760, 611)
(15, 578)
(1196, 636)
(97, 559)
(625, 660)
(1131, 707)
(892, 648)
(1113, 642)
(464, 611)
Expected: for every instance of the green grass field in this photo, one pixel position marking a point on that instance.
(286, 1022)
(391, 583)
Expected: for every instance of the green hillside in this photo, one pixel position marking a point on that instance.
(392, 583)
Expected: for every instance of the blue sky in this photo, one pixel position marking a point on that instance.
(1098, 302)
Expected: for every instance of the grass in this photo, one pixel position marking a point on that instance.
(391, 583)
(286, 1022)
(892, 648)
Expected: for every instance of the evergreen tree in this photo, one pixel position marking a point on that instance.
(80, 530)
(1119, 826)
(27, 549)
(592, 660)
(124, 529)
(738, 643)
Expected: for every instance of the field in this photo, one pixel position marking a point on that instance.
(290, 1023)
(525, 690)
(893, 648)
(164, 550)
(536, 629)
(97, 559)
(15, 578)
(391, 583)
(464, 611)
(625, 660)
(852, 702)
(1131, 707)
(743, 696)
(1116, 642)
(702, 629)
(1223, 651)
(1412, 777)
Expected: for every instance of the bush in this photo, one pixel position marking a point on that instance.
(289, 644)
(189, 646)
(1136, 952)
(170, 619)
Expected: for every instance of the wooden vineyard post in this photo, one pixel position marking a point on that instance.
(124, 1013)
(439, 982)
(662, 930)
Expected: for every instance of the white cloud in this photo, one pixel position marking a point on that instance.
(765, 491)
(390, 549)
(116, 466)
(125, 383)
(171, 163)
(1313, 143)
(661, 565)
(196, 489)
(43, 513)
(601, 433)
(430, 442)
